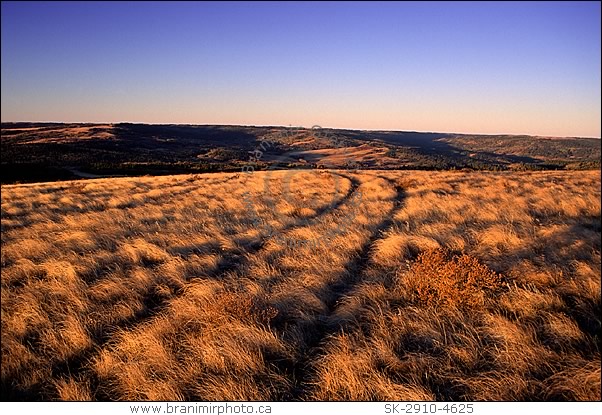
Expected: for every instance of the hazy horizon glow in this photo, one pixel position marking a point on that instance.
(490, 68)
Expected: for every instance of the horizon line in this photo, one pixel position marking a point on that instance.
(307, 128)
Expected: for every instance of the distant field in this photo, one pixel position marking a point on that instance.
(34, 152)
(430, 285)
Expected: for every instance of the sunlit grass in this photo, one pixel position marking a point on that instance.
(431, 285)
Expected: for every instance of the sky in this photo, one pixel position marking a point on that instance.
(515, 68)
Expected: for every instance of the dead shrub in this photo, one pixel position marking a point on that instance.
(245, 307)
(439, 278)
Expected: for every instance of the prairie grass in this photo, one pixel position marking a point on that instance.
(304, 285)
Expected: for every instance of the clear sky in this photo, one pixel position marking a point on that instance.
(516, 68)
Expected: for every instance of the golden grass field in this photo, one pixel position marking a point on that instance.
(443, 286)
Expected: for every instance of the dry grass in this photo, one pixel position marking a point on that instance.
(431, 285)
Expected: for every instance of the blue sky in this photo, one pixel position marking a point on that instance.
(515, 68)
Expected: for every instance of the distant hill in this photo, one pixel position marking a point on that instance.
(34, 152)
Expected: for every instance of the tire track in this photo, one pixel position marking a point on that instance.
(303, 370)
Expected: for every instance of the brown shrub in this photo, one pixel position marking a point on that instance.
(244, 307)
(442, 279)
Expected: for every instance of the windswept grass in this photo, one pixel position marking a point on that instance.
(327, 286)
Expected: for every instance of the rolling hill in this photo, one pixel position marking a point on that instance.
(46, 151)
